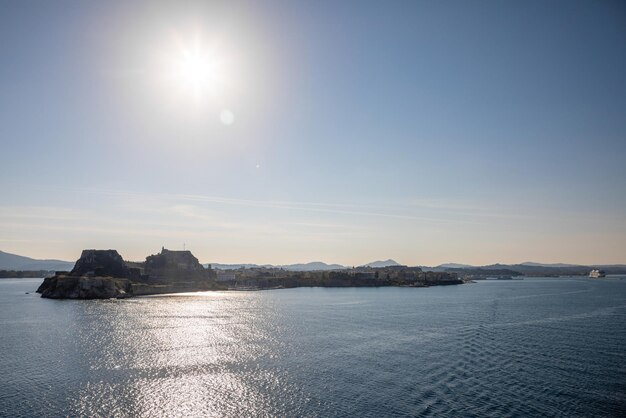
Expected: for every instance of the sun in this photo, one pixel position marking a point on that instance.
(195, 64)
(198, 71)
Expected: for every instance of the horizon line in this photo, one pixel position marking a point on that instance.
(259, 264)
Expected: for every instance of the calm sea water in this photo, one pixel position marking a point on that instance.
(537, 347)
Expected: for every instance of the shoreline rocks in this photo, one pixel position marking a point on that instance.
(72, 287)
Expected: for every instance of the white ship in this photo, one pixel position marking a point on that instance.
(597, 273)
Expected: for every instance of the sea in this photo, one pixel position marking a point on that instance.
(501, 348)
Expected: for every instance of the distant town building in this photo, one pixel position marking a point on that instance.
(225, 275)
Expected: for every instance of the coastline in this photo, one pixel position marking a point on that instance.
(68, 287)
(104, 274)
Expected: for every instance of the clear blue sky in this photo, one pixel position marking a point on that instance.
(425, 131)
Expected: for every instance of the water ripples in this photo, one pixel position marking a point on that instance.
(529, 348)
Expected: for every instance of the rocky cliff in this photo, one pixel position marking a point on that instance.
(73, 287)
(100, 263)
(103, 274)
(175, 266)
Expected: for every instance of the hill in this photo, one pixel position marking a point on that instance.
(385, 263)
(10, 261)
(453, 266)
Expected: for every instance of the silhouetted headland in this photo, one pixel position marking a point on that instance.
(104, 274)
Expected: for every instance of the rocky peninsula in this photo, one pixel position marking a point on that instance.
(104, 274)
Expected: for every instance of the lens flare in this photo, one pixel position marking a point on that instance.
(227, 117)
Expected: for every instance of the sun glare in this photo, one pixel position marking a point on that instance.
(198, 72)
(194, 66)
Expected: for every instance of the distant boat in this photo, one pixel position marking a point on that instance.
(594, 274)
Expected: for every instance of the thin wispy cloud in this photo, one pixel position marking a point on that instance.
(400, 211)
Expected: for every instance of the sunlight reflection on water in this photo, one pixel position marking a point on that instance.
(465, 350)
(186, 356)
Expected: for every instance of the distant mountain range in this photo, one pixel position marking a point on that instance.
(454, 266)
(313, 266)
(497, 266)
(17, 262)
(10, 261)
(379, 264)
(531, 269)
(560, 265)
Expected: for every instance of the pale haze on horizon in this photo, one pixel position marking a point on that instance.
(290, 131)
